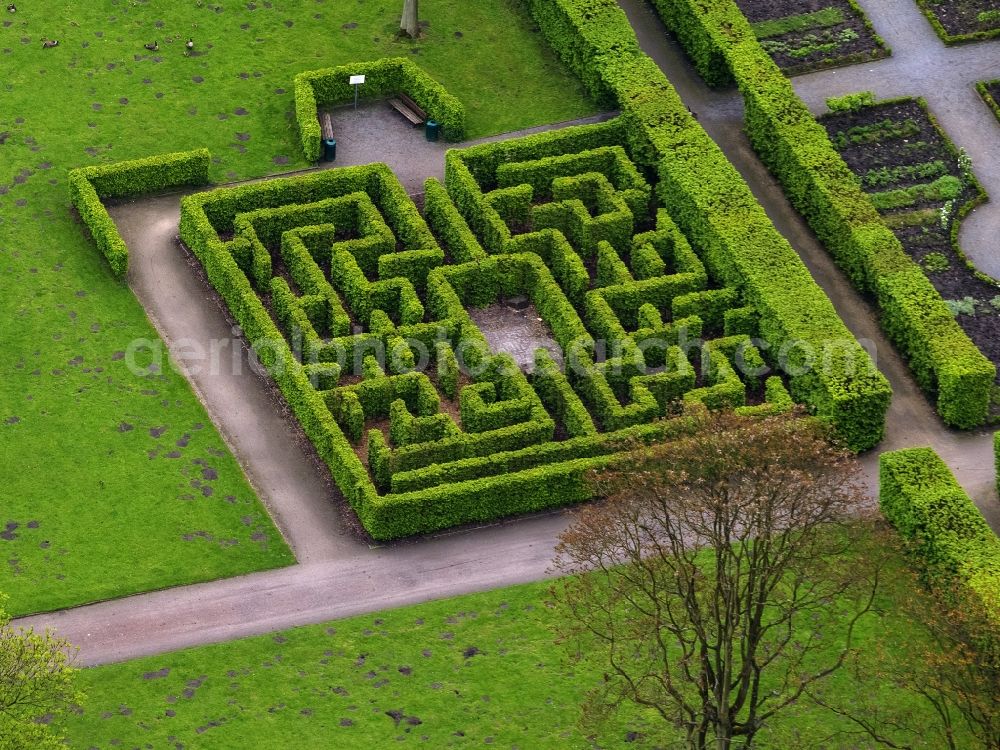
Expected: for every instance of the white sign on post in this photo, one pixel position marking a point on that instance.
(356, 81)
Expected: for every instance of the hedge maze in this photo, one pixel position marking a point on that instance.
(636, 244)
(358, 304)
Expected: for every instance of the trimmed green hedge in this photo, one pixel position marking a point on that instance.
(714, 207)
(385, 77)
(915, 316)
(945, 531)
(819, 184)
(588, 35)
(89, 186)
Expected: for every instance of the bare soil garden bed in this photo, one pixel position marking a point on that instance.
(806, 35)
(916, 178)
(990, 91)
(963, 20)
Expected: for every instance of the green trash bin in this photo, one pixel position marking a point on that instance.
(432, 130)
(329, 149)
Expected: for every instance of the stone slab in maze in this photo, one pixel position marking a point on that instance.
(365, 307)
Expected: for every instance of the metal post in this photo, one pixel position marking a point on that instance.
(356, 81)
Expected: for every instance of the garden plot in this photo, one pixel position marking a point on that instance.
(369, 309)
(990, 91)
(815, 34)
(963, 20)
(916, 179)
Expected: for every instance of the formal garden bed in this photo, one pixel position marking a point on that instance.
(815, 34)
(922, 187)
(963, 20)
(990, 91)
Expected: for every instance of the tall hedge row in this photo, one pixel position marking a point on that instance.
(944, 529)
(89, 186)
(716, 209)
(388, 76)
(819, 184)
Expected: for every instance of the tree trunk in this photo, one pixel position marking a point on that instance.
(410, 22)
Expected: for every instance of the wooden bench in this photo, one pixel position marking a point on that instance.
(326, 126)
(409, 109)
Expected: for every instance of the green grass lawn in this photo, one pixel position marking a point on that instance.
(476, 670)
(92, 505)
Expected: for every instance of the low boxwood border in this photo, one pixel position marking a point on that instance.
(983, 88)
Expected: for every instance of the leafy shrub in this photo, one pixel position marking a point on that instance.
(850, 102)
(883, 130)
(799, 22)
(936, 262)
(946, 534)
(964, 306)
(809, 44)
(947, 187)
(888, 175)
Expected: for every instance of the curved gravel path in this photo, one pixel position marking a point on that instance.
(337, 575)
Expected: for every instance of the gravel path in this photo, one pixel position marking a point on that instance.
(337, 574)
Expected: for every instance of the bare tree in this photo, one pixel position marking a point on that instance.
(410, 22)
(722, 576)
(36, 680)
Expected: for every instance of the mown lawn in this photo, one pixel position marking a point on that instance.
(92, 504)
(476, 670)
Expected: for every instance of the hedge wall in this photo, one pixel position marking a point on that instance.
(819, 184)
(714, 207)
(946, 533)
(386, 77)
(89, 186)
